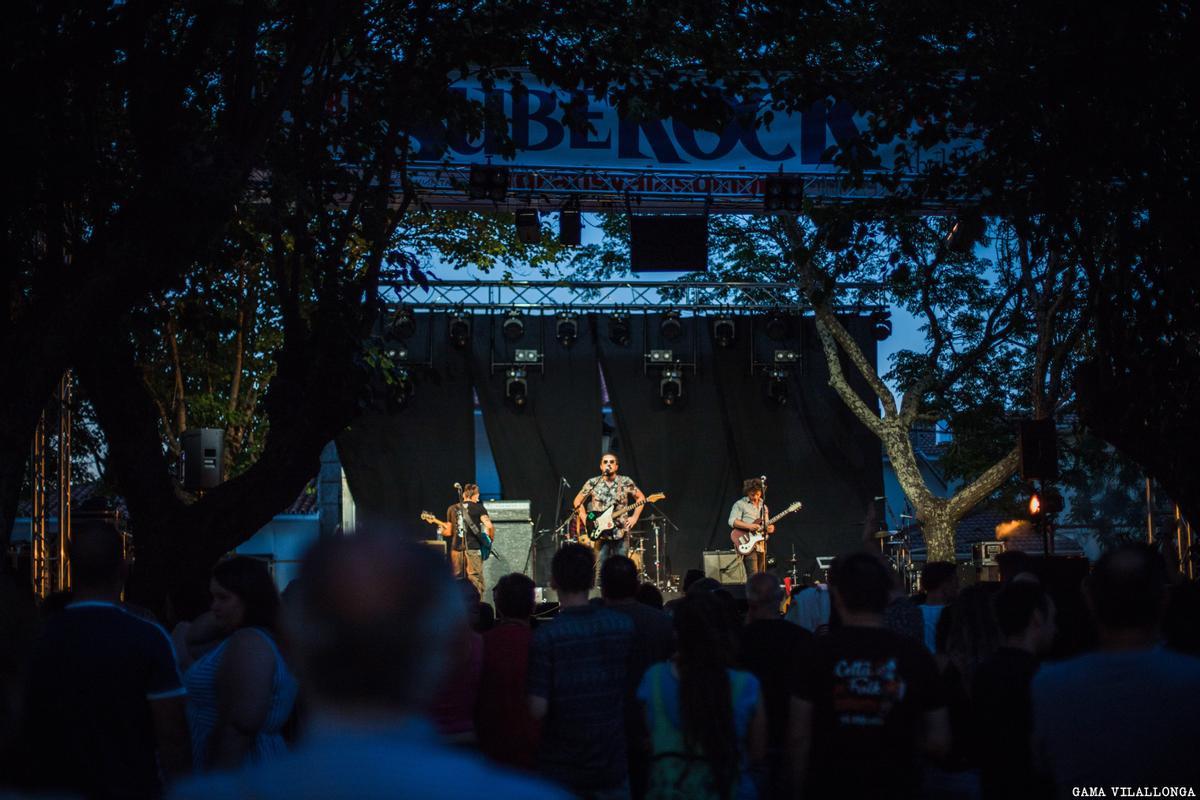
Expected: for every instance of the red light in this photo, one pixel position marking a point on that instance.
(1035, 505)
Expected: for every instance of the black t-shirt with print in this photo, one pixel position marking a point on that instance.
(462, 531)
(869, 688)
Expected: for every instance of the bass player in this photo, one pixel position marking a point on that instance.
(750, 514)
(467, 521)
(606, 490)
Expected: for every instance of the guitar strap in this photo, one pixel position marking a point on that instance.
(470, 523)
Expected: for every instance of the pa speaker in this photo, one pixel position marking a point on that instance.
(725, 566)
(1039, 450)
(668, 243)
(203, 457)
(510, 550)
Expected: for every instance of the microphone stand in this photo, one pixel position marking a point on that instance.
(660, 541)
(558, 505)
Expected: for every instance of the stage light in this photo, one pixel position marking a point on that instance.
(513, 326)
(967, 231)
(662, 356)
(566, 328)
(460, 329)
(522, 356)
(777, 386)
(783, 193)
(724, 331)
(1047, 501)
(777, 326)
(881, 324)
(618, 328)
(403, 324)
(516, 389)
(670, 386)
(671, 327)
(570, 227)
(529, 225)
(488, 183)
(786, 356)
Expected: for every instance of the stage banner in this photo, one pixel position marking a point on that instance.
(554, 128)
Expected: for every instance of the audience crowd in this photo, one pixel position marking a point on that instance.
(378, 676)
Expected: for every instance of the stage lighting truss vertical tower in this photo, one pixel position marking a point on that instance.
(669, 362)
(522, 352)
(50, 555)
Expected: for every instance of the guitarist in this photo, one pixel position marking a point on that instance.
(605, 490)
(749, 514)
(465, 522)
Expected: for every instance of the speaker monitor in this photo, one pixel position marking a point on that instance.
(510, 550)
(725, 566)
(1039, 450)
(668, 243)
(203, 457)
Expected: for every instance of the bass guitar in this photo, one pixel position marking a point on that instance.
(603, 524)
(744, 541)
(485, 541)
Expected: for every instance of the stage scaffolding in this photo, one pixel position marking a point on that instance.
(697, 297)
(50, 553)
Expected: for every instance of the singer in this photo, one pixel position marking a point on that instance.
(604, 491)
(750, 514)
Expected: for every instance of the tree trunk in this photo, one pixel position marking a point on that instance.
(939, 530)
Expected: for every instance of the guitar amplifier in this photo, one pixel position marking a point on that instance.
(724, 566)
(510, 551)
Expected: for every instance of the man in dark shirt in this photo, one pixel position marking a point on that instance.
(466, 523)
(1001, 690)
(775, 650)
(869, 698)
(577, 684)
(653, 641)
(507, 731)
(106, 705)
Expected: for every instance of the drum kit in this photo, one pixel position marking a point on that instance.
(644, 545)
(896, 549)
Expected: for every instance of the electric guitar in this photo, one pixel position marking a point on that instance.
(485, 541)
(603, 525)
(744, 541)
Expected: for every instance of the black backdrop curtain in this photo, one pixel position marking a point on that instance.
(681, 450)
(556, 435)
(400, 464)
(811, 449)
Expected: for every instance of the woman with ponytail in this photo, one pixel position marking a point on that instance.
(706, 721)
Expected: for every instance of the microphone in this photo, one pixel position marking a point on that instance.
(763, 478)
(458, 487)
(564, 482)
(879, 498)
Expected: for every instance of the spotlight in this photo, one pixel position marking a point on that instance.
(881, 324)
(777, 386)
(783, 193)
(723, 331)
(513, 326)
(516, 389)
(570, 227)
(488, 182)
(1047, 501)
(777, 326)
(618, 328)
(460, 329)
(968, 230)
(671, 327)
(566, 328)
(529, 226)
(670, 386)
(403, 325)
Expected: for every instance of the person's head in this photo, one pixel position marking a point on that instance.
(471, 491)
(704, 585)
(1025, 615)
(618, 578)
(243, 595)
(609, 463)
(573, 569)
(690, 577)
(97, 557)
(859, 584)
(1127, 591)
(374, 623)
(939, 581)
(514, 596)
(753, 488)
(649, 595)
(764, 595)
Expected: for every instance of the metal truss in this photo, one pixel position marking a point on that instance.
(595, 189)
(583, 296)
